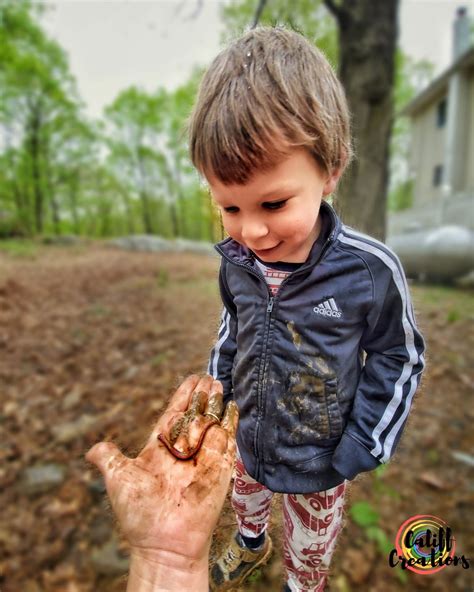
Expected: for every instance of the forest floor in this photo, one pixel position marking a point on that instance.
(94, 340)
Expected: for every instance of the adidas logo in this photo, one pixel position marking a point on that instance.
(328, 308)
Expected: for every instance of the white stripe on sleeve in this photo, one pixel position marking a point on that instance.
(351, 238)
(217, 348)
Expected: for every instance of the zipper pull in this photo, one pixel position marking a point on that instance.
(270, 304)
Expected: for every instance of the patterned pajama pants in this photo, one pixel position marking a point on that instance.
(312, 522)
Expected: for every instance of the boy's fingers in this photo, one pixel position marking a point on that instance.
(230, 421)
(106, 457)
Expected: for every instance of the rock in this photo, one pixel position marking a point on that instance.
(97, 487)
(10, 409)
(141, 243)
(73, 397)
(41, 478)
(131, 372)
(466, 281)
(182, 244)
(148, 242)
(108, 561)
(66, 432)
(100, 530)
(432, 479)
(65, 240)
(463, 457)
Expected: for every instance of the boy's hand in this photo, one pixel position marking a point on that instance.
(167, 508)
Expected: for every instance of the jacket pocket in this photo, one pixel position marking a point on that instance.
(308, 410)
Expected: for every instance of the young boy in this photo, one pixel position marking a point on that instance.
(318, 343)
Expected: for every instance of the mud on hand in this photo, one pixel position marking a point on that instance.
(187, 433)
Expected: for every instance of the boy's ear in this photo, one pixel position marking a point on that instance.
(331, 182)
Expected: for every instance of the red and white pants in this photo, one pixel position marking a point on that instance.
(312, 522)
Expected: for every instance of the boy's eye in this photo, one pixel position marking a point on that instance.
(274, 205)
(269, 205)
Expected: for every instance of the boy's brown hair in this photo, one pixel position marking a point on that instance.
(267, 92)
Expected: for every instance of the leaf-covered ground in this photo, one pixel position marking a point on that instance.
(92, 343)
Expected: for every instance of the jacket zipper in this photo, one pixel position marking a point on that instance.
(270, 304)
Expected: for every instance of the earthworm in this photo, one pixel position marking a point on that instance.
(187, 455)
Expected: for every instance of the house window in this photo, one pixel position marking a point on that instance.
(441, 113)
(438, 175)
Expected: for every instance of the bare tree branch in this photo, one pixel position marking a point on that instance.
(197, 11)
(194, 14)
(258, 13)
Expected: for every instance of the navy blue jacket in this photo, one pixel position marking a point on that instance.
(323, 373)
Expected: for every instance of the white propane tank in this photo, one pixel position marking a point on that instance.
(443, 253)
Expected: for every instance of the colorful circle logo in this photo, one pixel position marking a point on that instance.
(426, 543)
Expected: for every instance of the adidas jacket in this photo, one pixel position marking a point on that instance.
(323, 373)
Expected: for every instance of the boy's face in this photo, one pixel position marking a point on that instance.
(276, 214)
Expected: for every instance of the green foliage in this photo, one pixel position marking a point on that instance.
(411, 76)
(61, 173)
(129, 172)
(401, 196)
(433, 456)
(436, 299)
(19, 248)
(376, 534)
(162, 278)
(10, 227)
(363, 514)
(453, 316)
(159, 359)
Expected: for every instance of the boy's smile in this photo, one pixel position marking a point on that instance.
(276, 214)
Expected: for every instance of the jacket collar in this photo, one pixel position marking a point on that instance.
(238, 253)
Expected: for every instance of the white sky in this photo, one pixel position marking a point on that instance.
(113, 44)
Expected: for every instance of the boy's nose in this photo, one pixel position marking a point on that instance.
(252, 231)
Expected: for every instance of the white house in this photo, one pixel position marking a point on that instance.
(442, 144)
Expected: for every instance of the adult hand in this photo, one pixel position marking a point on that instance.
(168, 508)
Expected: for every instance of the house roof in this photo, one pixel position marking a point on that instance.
(439, 84)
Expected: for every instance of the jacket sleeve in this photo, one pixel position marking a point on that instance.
(221, 360)
(394, 362)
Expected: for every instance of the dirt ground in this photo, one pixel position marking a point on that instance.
(92, 343)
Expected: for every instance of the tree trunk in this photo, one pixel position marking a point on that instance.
(19, 200)
(174, 219)
(128, 209)
(143, 193)
(72, 192)
(34, 149)
(51, 190)
(180, 200)
(146, 212)
(367, 42)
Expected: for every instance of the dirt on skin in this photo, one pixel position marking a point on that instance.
(92, 343)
